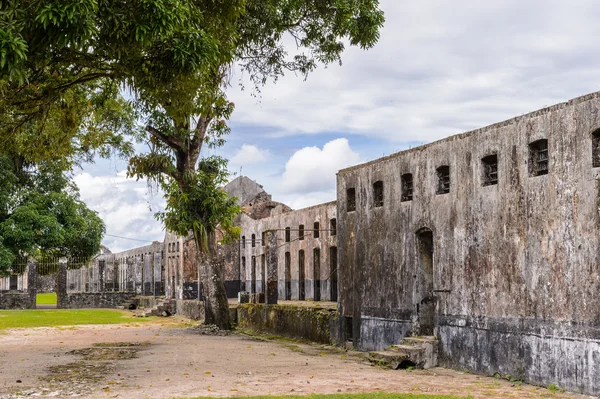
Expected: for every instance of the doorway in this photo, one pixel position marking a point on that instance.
(424, 298)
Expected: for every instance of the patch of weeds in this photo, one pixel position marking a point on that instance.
(104, 353)
(294, 348)
(555, 388)
(77, 371)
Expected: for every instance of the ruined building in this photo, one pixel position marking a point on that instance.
(488, 240)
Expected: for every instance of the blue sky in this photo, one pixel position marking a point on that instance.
(440, 68)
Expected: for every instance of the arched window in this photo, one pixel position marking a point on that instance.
(287, 234)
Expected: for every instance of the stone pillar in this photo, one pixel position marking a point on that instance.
(31, 282)
(101, 275)
(272, 294)
(62, 298)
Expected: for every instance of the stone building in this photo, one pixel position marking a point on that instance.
(139, 270)
(489, 240)
(306, 252)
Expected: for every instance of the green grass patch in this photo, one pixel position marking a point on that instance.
(48, 298)
(375, 395)
(64, 317)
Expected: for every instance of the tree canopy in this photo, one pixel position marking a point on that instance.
(41, 215)
(175, 57)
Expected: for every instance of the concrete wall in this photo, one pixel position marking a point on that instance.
(320, 275)
(312, 324)
(515, 274)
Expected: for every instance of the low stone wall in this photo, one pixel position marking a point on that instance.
(312, 324)
(16, 300)
(148, 302)
(191, 309)
(96, 300)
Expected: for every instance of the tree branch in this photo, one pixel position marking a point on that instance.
(171, 141)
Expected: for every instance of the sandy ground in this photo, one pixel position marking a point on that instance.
(171, 361)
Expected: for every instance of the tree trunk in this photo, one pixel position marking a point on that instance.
(212, 270)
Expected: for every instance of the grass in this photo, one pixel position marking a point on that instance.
(375, 395)
(48, 298)
(67, 317)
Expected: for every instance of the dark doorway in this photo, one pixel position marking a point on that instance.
(263, 271)
(333, 267)
(288, 276)
(301, 275)
(253, 276)
(425, 302)
(317, 273)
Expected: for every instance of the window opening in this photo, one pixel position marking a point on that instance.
(378, 194)
(301, 232)
(538, 157)
(351, 199)
(316, 230)
(317, 274)
(243, 241)
(443, 175)
(253, 240)
(288, 276)
(287, 234)
(263, 238)
(407, 187)
(301, 275)
(490, 170)
(333, 227)
(596, 149)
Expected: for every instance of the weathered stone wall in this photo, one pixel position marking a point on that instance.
(138, 270)
(46, 283)
(507, 274)
(109, 300)
(312, 324)
(191, 309)
(315, 277)
(16, 300)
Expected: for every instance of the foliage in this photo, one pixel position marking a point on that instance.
(204, 207)
(43, 216)
(176, 57)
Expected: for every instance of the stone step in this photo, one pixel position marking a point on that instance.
(388, 359)
(407, 349)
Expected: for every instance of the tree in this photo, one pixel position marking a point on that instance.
(186, 113)
(41, 215)
(176, 57)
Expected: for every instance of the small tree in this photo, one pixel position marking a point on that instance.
(43, 215)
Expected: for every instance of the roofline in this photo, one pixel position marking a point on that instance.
(459, 136)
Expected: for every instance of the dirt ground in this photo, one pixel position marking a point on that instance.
(166, 360)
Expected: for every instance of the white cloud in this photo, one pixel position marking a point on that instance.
(431, 76)
(248, 155)
(312, 169)
(126, 206)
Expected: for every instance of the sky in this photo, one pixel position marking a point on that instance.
(440, 68)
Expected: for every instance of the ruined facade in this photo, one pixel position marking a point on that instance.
(140, 270)
(306, 252)
(489, 240)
